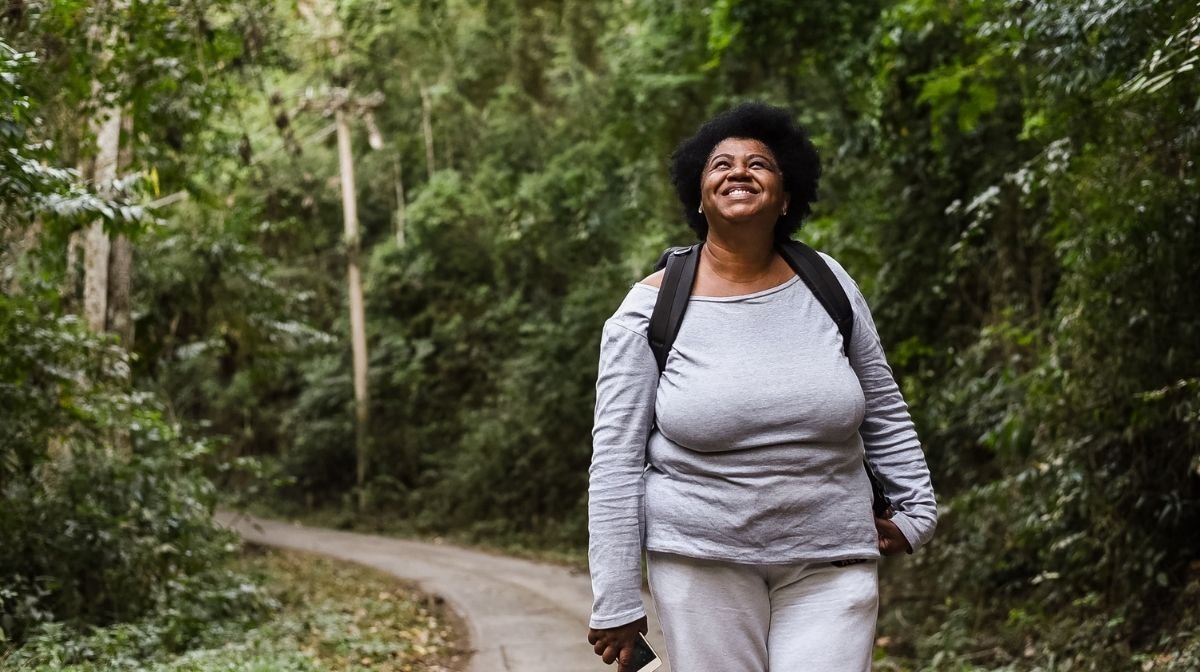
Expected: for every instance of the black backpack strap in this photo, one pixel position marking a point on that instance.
(680, 264)
(815, 273)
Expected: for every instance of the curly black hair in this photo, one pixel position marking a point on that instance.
(772, 126)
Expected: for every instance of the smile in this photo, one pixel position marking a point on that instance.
(736, 191)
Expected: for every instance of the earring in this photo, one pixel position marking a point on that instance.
(700, 209)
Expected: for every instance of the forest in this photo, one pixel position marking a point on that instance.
(195, 315)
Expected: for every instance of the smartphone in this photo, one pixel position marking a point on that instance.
(644, 658)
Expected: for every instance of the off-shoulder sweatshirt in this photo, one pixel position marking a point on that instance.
(749, 446)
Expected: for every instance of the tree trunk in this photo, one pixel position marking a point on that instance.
(92, 243)
(96, 245)
(15, 246)
(427, 129)
(120, 290)
(106, 126)
(401, 213)
(120, 264)
(358, 331)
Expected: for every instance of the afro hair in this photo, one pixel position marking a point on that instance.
(772, 126)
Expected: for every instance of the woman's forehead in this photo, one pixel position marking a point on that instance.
(741, 146)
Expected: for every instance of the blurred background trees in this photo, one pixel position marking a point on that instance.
(1012, 183)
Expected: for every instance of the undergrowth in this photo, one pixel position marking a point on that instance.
(317, 614)
(917, 634)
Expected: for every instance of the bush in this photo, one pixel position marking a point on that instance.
(104, 511)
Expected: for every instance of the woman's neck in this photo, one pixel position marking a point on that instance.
(745, 259)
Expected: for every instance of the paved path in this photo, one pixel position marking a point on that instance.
(521, 616)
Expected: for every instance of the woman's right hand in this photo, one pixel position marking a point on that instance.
(617, 643)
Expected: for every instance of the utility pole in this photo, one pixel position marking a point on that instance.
(358, 320)
(322, 16)
(340, 102)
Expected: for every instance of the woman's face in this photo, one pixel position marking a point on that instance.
(741, 181)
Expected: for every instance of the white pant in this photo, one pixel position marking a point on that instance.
(727, 617)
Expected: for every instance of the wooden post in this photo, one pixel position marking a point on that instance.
(358, 332)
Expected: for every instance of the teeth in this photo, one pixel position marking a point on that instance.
(738, 191)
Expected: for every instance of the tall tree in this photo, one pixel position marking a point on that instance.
(105, 127)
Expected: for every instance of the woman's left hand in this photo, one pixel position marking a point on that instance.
(891, 539)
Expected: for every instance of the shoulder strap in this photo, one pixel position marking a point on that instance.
(815, 273)
(673, 293)
(680, 264)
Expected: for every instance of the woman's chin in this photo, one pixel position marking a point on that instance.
(747, 216)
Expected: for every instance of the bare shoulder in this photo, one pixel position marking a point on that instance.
(654, 279)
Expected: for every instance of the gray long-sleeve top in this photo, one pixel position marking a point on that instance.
(749, 447)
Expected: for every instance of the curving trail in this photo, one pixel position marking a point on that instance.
(521, 616)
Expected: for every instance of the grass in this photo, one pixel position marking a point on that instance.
(915, 636)
(325, 615)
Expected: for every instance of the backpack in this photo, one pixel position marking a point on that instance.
(669, 308)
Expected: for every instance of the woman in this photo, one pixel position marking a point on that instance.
(740, 469)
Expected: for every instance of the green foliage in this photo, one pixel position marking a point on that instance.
(104, 508)
(31, 186)
(168, 67)
(93, 535)
(325, 615)
(477, 324)
(223, 332)
(1058, 417)
(1012, 183)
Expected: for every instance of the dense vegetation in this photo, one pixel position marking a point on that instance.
(1013, 183)
(324, 616)
(105, 510)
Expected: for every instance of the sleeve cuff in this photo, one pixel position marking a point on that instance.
(908, 530)
(603, 622)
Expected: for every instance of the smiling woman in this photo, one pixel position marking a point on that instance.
(742, 181)
(739, 467)
(780, 142)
